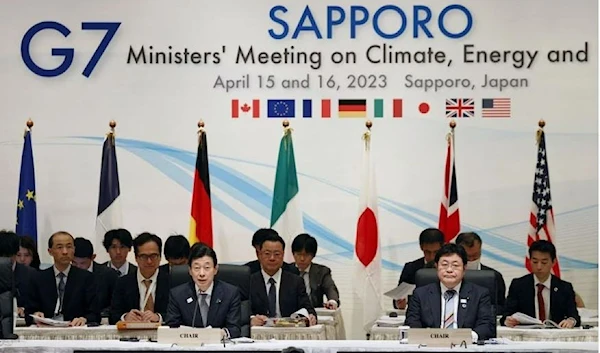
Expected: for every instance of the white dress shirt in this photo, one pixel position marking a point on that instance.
(91, 268)
(208, 293)
(545, 295)
(142, 290)
(306, 278)
(56, 272)
(123, 270)
(277, 278)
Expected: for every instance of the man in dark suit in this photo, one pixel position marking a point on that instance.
(64, 292)
(540, 294)
(466, 305)
(430, 241)
(23, 275)
(203, 301)
(177, 252)
(274, 292)
(472, 243)
(317, 278)
(117, 243)
(105, 278)
(257, 239)
(143, 295)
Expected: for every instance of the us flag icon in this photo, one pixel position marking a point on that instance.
(495, 108)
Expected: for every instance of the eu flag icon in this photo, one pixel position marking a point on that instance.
(26, 207)
(281, 108)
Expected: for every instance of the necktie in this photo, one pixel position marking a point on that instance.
(150, 302)
(203, 308)
(449, 308)
(305, 277)
(61, 290)
(272, 298)
(541, 304)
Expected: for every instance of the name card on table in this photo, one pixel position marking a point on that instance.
(189, 336)
(438, 337)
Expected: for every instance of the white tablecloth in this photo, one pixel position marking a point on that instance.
(108, 332)
(563, 335)
(338, 321)
(277, 346)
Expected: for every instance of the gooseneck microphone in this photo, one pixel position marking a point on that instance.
(195, 311)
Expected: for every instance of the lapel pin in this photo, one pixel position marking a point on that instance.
(218, 301)
(464, 305)
(463, 300)
(555, 289)
(189, 300)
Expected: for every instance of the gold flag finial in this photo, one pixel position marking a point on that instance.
(538, 134)
(452, 125)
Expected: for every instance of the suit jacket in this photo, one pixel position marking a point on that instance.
(522, 294)
(223, 312)
(255, 267)
(132, 267)
(127, 295)
(409, 271)
(321, 283)
(23, 280)
(292, 295)
(500, 289)
(425, 309)
(79, 298)
(106, 279)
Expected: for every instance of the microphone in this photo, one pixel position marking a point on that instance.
(195, 311)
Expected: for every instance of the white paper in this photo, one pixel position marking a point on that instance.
(300, 314)
(526, 319)
(587, 313)
(402, 291)
(50, 322)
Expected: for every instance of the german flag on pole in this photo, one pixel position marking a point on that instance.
(201, 220)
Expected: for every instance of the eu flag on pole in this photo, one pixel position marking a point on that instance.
(26, 207)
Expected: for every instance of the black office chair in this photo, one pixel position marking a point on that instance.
(237, 275)
(7, 291)
(483, 278)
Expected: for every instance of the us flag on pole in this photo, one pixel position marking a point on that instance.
(541, 217)
(449, 216)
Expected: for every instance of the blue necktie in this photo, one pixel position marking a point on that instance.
(272, 298)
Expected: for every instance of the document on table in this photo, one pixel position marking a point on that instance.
(402, 291)
(51, 322)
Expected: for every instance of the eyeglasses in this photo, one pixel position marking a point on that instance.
(145, 257)
(454, 266)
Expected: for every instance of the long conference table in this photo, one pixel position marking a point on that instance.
(34, 346)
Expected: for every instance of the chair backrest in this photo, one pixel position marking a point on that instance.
(237, 275)
(483, 278)
(7, 291)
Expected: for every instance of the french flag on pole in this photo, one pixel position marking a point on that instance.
(367, 254)
(109, 206)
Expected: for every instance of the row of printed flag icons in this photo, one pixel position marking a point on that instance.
(357, 108)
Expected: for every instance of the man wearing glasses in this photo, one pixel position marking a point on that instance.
(452, 303)
(143, 295)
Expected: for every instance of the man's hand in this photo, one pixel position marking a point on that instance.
(21, 312)
(331, 305)
(312, 319)
(258, 320)
(511, 321)
(78, 321)
(149, 316)
(567, 323)
(134, 315)
(401, 303)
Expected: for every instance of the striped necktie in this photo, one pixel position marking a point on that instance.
(449, 316)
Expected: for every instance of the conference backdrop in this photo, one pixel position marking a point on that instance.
(158, 67)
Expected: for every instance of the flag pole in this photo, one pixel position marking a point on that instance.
(541, 124)
(29, 124)
(200, 130)
(112, 124)
(367, 134)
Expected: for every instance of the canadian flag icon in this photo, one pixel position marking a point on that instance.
(239, 108)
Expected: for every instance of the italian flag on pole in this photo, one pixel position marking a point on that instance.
(367, 274)
(286, 217)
